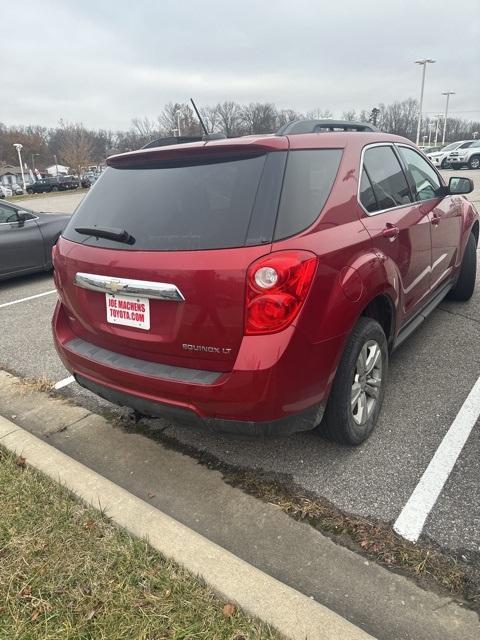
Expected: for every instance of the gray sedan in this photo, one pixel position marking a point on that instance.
(26, 239)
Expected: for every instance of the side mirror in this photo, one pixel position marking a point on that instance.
(21, 217)
(460, 186)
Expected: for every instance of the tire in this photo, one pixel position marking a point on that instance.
(30, 191)
(465, 284)
(54, 188)
(445, 164)
(342, 421)
(474, 162)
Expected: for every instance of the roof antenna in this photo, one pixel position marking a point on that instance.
(206, 136)
(199, 117)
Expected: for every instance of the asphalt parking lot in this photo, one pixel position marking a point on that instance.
(431, 376)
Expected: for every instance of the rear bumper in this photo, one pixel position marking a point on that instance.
(278, 385)
(287, 425)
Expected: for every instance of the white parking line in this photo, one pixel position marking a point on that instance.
(38, 295)
(63, 383)
(411, 520)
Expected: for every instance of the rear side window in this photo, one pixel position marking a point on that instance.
(309, 178)
(179, 207)
(387, 178)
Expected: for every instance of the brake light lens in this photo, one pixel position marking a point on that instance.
(277, 286)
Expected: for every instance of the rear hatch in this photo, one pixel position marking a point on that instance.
(193, 218)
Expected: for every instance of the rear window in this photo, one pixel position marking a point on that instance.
(309, 178)
(230, 202)
(187, 207)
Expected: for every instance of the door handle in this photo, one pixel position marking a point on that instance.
(391, 231)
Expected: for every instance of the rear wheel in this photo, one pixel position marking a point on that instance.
(474, 162)
(54, 188)
(465, 284)
(357, 393)
(30, 191)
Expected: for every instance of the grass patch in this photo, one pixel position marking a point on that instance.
(68, 573)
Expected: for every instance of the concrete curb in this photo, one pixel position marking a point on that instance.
(290, 612)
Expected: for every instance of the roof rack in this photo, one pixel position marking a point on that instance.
(321, 126)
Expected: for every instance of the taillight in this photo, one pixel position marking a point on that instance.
(277, 286)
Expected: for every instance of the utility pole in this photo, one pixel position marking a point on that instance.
(423, 63)
(448, 94)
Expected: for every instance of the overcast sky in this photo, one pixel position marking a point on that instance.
(104, 62)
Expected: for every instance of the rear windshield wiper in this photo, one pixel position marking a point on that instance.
(120, 235)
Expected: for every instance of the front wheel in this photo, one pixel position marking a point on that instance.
(359, 386)
(445, 164)
(54, 188)
(30, 191)
(474, 162)
(465, 284)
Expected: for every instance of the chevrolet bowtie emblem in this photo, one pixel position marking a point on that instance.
(113, 286)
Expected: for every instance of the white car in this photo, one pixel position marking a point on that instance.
(5, 192)
(440, 158)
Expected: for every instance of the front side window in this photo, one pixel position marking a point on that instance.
(425, 178)
(387, 179)
(7, 214)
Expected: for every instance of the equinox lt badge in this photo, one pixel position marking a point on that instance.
(201, 347)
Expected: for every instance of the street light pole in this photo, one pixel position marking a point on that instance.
(448, 94)
(19, 147)
(423, 63)
(34, 155)
(437, 118)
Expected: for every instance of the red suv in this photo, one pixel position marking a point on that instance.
(258, 284)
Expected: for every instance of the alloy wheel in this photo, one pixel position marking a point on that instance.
(367, 381)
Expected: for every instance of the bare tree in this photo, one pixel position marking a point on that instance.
(211, 118)
(229, 114)
(259, 117)
(319, 114)
(76, 148)
(350, 115)
(287, 115)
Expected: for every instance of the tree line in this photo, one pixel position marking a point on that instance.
(77, 147)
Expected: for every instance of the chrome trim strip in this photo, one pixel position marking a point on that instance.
(125, 286)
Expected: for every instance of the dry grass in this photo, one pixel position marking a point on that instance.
(67, 573)
(42, 383)
(374, 539)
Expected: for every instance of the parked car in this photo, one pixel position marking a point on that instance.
(428, 150)
(60, 183)
(88, 179)
(259, 284)
(16, 189)
(5, 192)
(440, 158)
(468, 156)
(26, 239)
